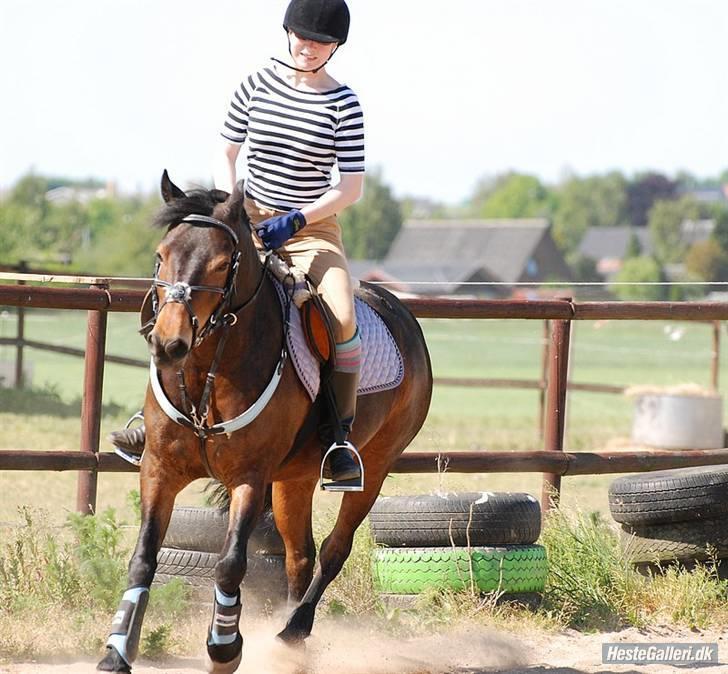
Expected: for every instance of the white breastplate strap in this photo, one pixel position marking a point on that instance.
(227, 427)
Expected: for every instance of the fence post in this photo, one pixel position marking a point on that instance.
(20, 336)
(715, 360)
(555, 407)
(93, 380)
(544, 379)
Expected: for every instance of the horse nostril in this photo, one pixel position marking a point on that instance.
(176, 349)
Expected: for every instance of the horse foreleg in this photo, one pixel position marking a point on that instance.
(224, 641)
(292, 503)
(122, 646)
(334, 552)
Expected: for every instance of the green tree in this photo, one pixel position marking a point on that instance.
(515, 195)
(639, 270)
(720, 233)
(596, 201)
(125, 247)
(634, 247)
(665, 222)
(707, 261)
(370, 225)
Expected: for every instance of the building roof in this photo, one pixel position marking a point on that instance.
(454, 250)
(611, 242)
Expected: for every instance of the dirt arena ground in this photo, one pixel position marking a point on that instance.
(349, 651)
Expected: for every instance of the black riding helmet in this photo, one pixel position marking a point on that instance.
(319, 20)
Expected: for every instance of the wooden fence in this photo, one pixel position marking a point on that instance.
(99, 298)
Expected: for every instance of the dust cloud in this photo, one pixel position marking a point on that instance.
(356, 648)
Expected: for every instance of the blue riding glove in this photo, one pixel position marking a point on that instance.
(275, 231)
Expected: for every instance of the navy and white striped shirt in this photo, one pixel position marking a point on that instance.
(294, 138)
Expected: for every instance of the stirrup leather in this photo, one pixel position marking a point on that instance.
(134, 459)
(342, 485)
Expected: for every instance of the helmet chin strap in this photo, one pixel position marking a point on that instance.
(301, 70)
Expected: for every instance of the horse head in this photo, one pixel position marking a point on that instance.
(196, 272)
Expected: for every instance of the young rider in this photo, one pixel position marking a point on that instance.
(299, 123)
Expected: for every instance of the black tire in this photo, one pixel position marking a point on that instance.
(204, 530)
(459, 519)
(666, 496)
(266, 574)
(681, 541)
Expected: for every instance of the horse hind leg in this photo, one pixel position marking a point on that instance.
(334, 552)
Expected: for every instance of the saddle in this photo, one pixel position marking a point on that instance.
(318, 331)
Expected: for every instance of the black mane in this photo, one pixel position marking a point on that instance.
(198, 201)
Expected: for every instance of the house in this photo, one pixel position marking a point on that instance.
(447, 257)
(607, 246)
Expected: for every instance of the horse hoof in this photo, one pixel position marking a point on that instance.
(214, 667)
(233, 651)
(292, 638)
(113, 662)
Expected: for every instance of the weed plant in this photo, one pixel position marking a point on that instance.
(61, 585)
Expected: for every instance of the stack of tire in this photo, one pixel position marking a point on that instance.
(672, 515)
(191, 549)
(478, 541)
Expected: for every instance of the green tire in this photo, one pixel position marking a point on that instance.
(508, 568)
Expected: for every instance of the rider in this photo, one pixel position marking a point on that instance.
(300, 123)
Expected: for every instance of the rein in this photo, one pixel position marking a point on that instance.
(223, 317)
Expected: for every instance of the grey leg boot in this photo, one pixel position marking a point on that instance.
(341, 465)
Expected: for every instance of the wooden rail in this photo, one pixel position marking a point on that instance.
(552, 461)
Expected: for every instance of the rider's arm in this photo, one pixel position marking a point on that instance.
(347, 191)
(224, 174)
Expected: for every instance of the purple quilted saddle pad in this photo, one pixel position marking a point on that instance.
(382, 367)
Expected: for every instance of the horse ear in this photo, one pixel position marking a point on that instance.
(170, 191)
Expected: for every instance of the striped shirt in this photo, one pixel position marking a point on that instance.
(294, 138)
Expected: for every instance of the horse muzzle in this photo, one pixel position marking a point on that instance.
(169, 352)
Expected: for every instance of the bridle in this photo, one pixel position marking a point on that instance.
(180, 292)
(223, 317)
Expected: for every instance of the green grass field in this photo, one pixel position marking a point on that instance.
(616, 352)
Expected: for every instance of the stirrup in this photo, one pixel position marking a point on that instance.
(342, 485)
(133, 459)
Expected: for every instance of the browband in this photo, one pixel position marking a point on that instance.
(213, 222)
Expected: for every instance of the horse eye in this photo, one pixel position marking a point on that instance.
(223, 266)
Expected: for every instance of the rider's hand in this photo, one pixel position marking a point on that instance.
(275, 231)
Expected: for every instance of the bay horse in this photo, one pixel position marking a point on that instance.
(218, 339)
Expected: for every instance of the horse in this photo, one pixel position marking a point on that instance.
(216, 335)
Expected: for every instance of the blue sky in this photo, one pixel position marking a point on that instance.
(452, 91)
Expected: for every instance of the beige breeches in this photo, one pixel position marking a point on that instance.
(318, 251)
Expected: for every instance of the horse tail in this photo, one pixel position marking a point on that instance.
(217, 496)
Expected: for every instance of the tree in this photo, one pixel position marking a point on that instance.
(597, 201)
(707, 261)
(639, 270)
(720, 232)
(584, 268)
(634, 247)
(665, 223)
(370, 225)
(514, 195)
(643, 192)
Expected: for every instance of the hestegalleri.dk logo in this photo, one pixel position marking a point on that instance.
(667, 653)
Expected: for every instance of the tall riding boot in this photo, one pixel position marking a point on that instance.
(130, 440)
(341, 465)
